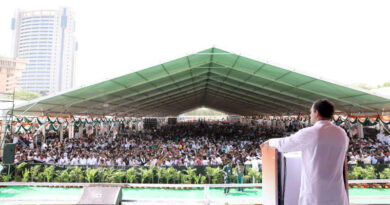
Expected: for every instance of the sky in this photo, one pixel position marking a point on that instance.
(345, 41)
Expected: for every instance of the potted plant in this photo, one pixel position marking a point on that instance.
(209, 173)
(118, 176)
(91, 175)
(169, 174)
(151, 173)
(131, 175)
(49, 172)
(35, 170)
(26, 175)
(144, 175)
(191, 173)
(160, 173)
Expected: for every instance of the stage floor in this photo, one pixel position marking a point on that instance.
(48, 195)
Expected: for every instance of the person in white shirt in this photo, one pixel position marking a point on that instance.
(64, 161)
(75, 161)
(218, 160)
(90, 160)
(255, 164)
(16, 139)
(323, 147)
(83, 160)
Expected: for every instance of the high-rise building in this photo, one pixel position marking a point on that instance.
(10, 73)
(46, 39)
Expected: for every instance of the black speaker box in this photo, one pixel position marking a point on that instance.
(9, 154)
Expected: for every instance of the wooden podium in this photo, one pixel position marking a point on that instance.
(273, 188)
(269, 156)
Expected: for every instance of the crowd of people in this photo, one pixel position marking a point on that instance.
(192, 144)
(183, 144)
(369, 150)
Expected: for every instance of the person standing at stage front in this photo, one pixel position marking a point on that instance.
(324, 148)
(228, 171)
(240, 175)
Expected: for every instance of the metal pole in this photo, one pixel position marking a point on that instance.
(206, 195)
(4, 124)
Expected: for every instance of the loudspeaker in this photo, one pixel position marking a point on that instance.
(101, 195)
(9, 153)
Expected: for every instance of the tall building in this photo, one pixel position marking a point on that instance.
(10, 73)
(46, 39)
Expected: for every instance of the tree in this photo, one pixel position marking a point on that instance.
(364, 86)
(386, 84)
(25, 95)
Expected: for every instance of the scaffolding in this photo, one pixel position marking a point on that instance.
(7, 104)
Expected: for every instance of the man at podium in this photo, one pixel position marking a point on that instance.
(323, 148)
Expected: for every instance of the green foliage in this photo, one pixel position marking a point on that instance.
(151, 174)
(49, 172)
(25, 95)
(370, 173)
(118, 176)
(386, 84)
(40, 177)
(107, 175)
(191, 174)
(216, 175)
(91, 175)
(64, 175)
(209, 173)
(362, 173)
(169, 174)
(365, 86)
(259, 177)
(26, 175)
(255, 176)
(178, 177)
(144, 174)
(355, 173)
(185, 178)
(38, 173)
(34, 172)
(19, 169)
(6, 178)
(247, 179)
(197, 178)
(131, 175)
(57, 179)
(18, 178)
(385, 174)
(160, 173)
(76, 175)
(203, 179)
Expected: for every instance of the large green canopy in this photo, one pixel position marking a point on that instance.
(213, 78)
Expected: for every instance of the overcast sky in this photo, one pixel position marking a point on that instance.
(346, 41)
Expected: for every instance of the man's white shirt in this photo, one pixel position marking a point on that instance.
(323, 147)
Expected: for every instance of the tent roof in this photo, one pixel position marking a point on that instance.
(213, 78)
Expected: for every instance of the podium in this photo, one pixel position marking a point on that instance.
(282, 177)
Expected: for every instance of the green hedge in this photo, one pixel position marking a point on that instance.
(162, 175)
